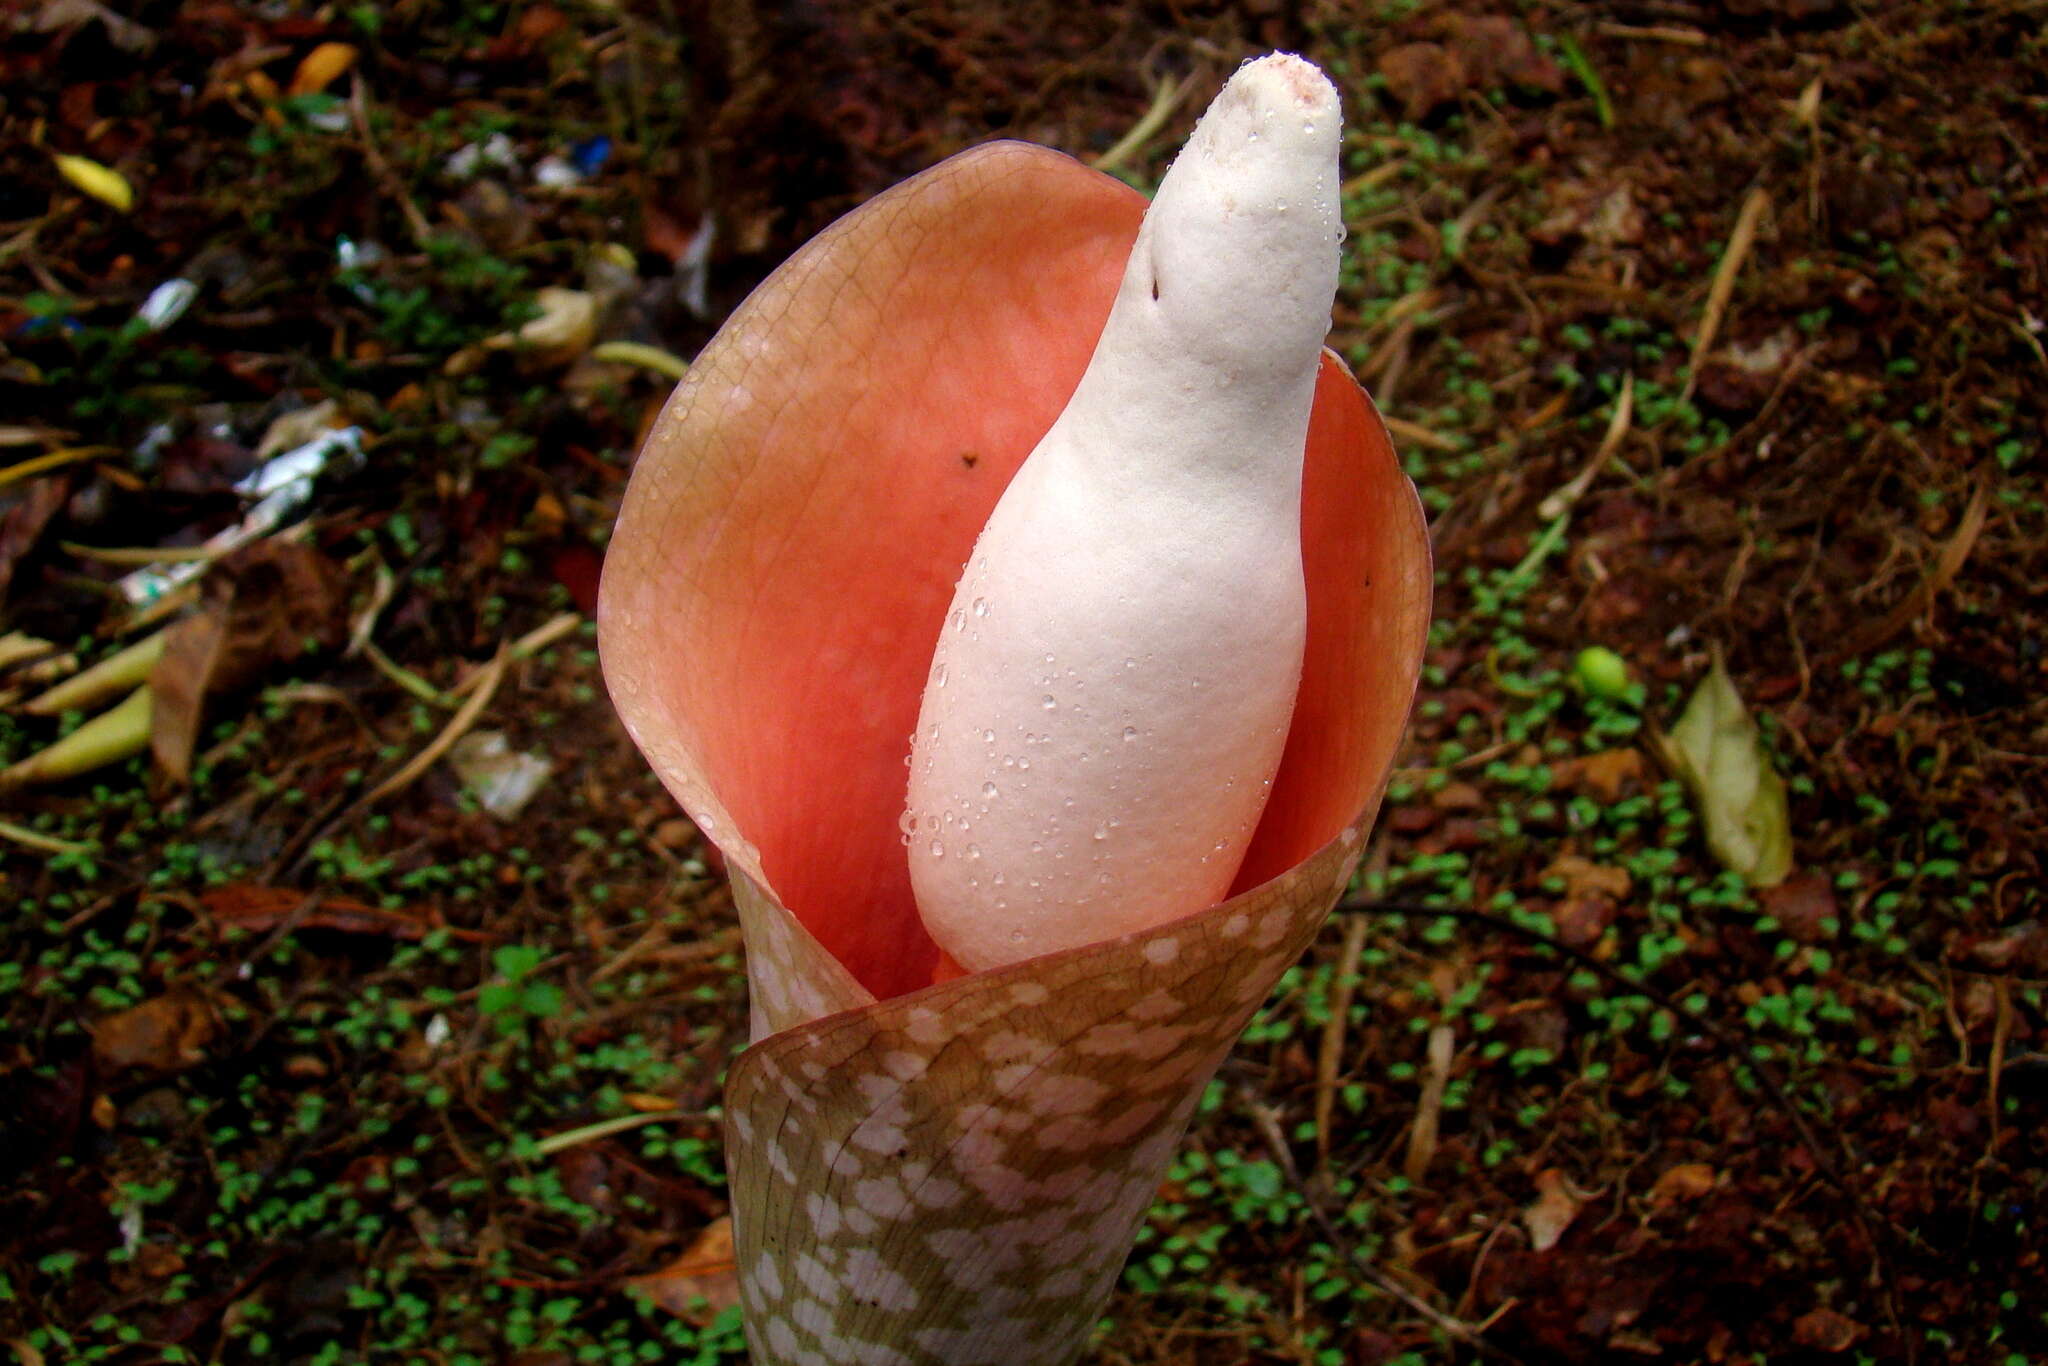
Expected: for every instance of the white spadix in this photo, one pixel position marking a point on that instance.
(1112, 687)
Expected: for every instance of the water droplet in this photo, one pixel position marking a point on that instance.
(938, 849)
(939, 676)
(1309, 126)
(974, 851)
(959, 620)
(907, 822)
(1016, 936)
(1023, 764)
(1048, 703)
(988, 737)
(1252, 136)
(1009, 761)
(1048, 658)
(932, 733)
(1102, 832)
(1279, 206)
(998, 880)
(988, 791)
(1130, 733)
(981, 607)
(1130, 664)
(1037, 848)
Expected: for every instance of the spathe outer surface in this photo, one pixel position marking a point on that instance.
(940, 1175)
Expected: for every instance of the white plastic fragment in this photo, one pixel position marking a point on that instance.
(502, 779)
(494, 152)
(166, 304)
(281, 487)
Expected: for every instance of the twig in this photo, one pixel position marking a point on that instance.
(1415, 434)
(43, 464)
(33, 839)
(1562, 501)
(604, 1128)
(1329, 1057)
(1652, 33)
(1723, 288)
(1944, 572)
(415, 221)
(1166, 98)
(458, 725)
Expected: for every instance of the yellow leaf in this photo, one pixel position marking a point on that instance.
(322, 67)
(106, 185)
(1716, 752)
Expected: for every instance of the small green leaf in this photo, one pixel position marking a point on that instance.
(1716, 752)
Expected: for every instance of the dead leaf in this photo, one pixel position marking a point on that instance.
(264, 605)
(1607, 776)
(1687, 1181)
(1716, 752)
(1552, 1211)
(125, 34)
(1423, 77)
(2021, 949)
(25, 522)
(322, 67)
(702, 1283)
(1826, 1331)
(167, 1033)
(1495, 48)
(565, 329)
(1583, 877)
(256, 908)
(1802, 905)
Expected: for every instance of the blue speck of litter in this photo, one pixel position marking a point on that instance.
(590, 155)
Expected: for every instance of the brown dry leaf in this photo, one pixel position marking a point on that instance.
(697, 1286)
(256, 908)
(58, 15)
(1583, 877)
(24, 522)
(264, 605)
(1552, 1211)
(1826, 1331)
(1803, 905)
(1686, 1181)
(1424, 77)
(1607, 776)
(322, 67)
(166, 1033)
(1495, 48)
(180, 679)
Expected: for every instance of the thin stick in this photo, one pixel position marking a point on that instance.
(1329, 1058)
(458, 725)
(43, 464)
(1166, 98)
(1723, 288)
(1562, 500)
